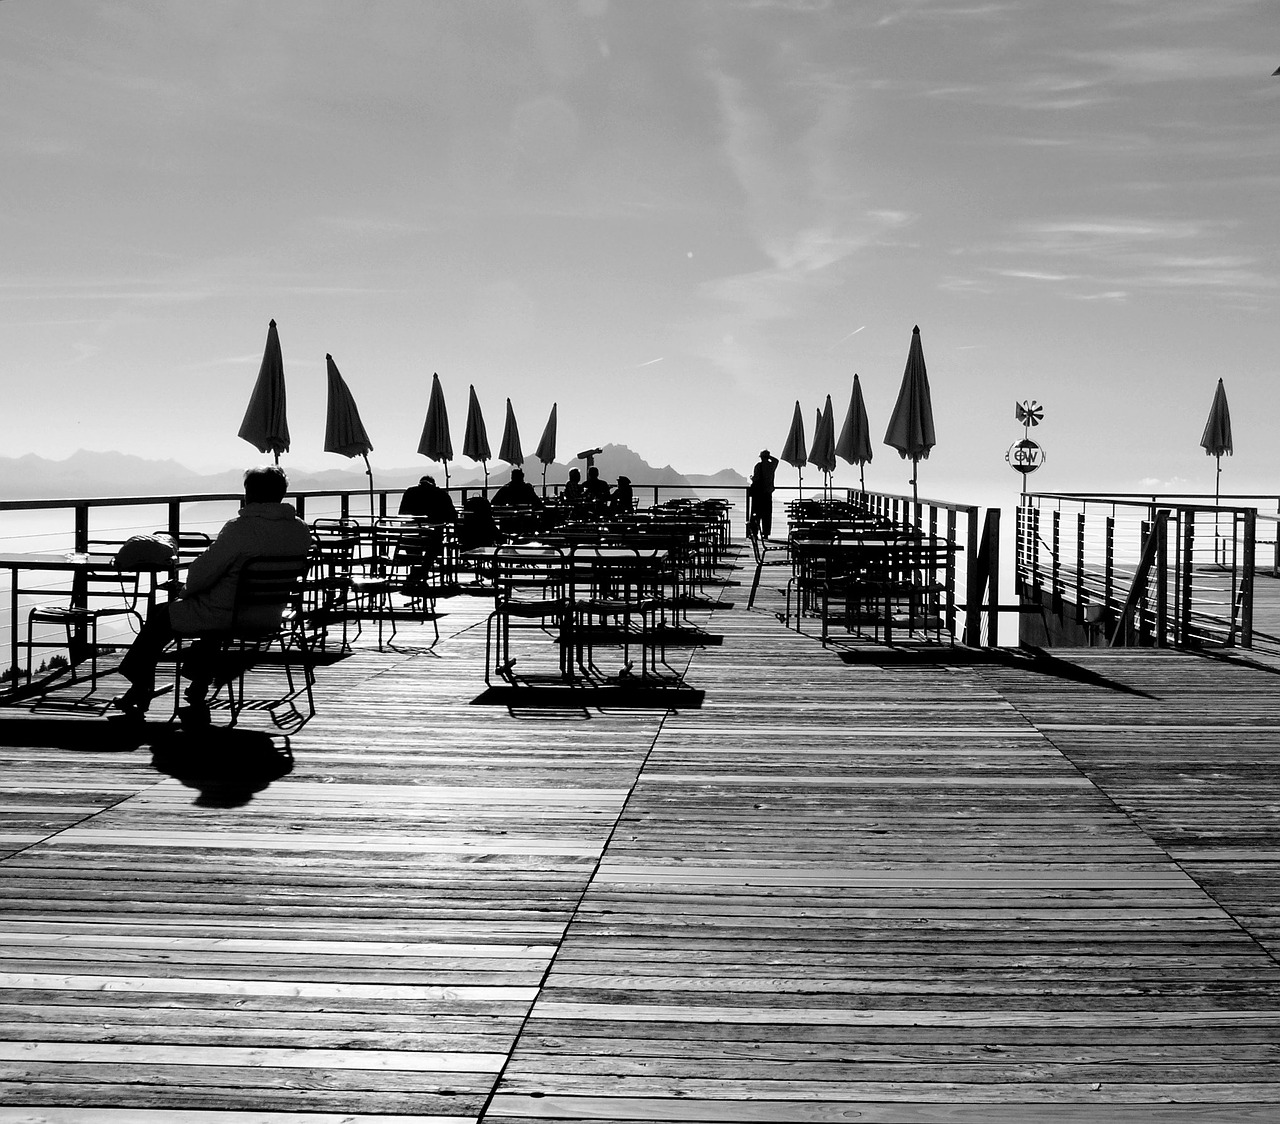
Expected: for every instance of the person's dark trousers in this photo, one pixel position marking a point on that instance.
(762, 512)
(156, 633)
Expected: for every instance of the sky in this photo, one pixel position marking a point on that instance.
(672, 218)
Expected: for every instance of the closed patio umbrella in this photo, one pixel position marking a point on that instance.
(265, 426)
(547, 447)
(1216, 439)
(911, 423)
(435, 442)
(510, 450)
(344, 432)
(793, 449)
(823, 453)
(854, 445)
(475, 441)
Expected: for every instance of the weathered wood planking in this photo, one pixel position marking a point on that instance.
(882, 892)
(361, 932)
(891, 892)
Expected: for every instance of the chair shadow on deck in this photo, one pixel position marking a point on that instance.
(226, 766)
(1035, 660)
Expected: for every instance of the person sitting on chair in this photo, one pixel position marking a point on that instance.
(265, 528)
(517, 492)
(596, 490)
(573, 493)
(622, 501)
(428, 502)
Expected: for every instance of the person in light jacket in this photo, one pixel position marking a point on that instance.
(265, 528)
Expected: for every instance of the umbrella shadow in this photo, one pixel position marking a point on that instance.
(226, 766)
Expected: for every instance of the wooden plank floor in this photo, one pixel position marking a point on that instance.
(848, 886)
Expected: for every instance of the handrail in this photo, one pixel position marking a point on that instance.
(1186, 569)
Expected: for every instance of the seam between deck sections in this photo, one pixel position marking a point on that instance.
(586, 889)
(85, 819)
(1066, 756)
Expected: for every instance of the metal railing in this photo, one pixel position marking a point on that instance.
(973, 577)
(1141, 570)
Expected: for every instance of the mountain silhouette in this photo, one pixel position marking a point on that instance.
(89, 475)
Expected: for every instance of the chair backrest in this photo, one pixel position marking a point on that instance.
(523, 573)
(265, 587)
(120, 588)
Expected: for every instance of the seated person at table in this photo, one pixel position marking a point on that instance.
(476, 527)
(517, 492)
(266, 527)
(427, 501)
(572, 493)
(595, 489)
(622, 502)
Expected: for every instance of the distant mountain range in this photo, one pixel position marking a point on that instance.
(95, 475)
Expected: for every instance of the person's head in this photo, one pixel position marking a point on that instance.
(427, 481)
(593, 473)
(575, 475)
(517, 476)
(624, 481)
(764, 454)
(265, 484)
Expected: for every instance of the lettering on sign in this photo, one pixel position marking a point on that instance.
(1025, 456)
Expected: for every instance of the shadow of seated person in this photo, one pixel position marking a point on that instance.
(227, 767)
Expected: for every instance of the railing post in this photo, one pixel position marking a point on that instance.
(992, 537)
(1188, 539)
(1035, 548)
(1109, 567)
(80, 536)
(1246, 577)
(1055, 584)
(974, 575)
(175, 518)
(1079, 567)
(1162, 584)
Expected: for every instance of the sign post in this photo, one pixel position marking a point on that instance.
(1026, 456)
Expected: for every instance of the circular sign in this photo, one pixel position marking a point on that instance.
(1025, 456)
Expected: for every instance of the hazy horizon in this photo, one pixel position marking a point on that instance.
(671, 219)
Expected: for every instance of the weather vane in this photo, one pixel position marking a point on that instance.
(1029, 412)
(1026, 456)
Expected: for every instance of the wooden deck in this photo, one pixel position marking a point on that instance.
(851, 884)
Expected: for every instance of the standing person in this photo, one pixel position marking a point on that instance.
(760, 492)
(265, 528)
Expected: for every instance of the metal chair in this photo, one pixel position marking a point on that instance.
(98, 595)
(267, 613)
(531, 592)
(616, 601)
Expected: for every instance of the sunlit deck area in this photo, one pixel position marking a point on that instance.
(908, 884)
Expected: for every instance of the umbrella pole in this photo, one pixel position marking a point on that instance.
(1217, 502)
(915, 471)
(369, 473)
(544, 481)
(862, 477)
